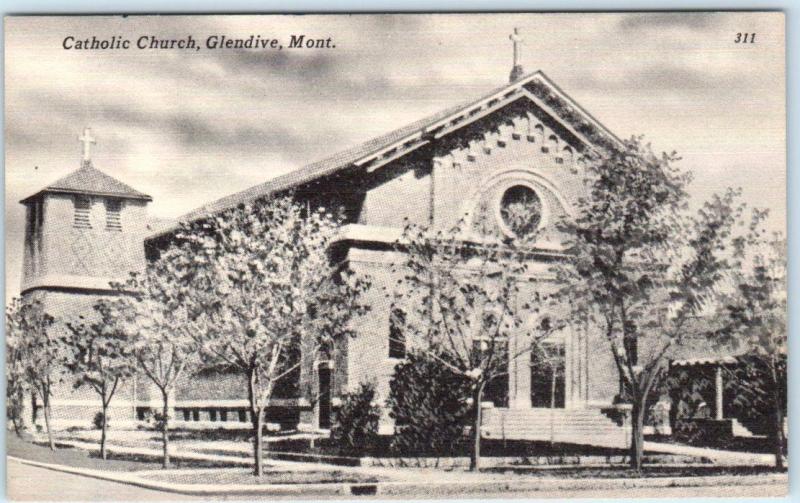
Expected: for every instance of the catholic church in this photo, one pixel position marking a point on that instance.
(521, 145)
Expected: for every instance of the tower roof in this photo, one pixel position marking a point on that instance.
(90, 181)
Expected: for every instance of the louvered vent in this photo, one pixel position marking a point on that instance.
(83, 206)
(113, 209)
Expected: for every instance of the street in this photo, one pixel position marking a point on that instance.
(29, 483)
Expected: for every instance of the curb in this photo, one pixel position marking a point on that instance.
(197, 489)
(428, 489)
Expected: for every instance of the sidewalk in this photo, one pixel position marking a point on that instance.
(413, 488)
(717, 456)
(240, 459)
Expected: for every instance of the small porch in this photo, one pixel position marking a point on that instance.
(713, 410)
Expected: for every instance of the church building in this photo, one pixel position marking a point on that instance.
(521, 144)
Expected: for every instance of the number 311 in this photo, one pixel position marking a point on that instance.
(742, 38)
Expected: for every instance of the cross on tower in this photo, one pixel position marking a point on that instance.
(87, 139)
(516, 70)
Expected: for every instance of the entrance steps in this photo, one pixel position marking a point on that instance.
(575, 426)
(739, 430)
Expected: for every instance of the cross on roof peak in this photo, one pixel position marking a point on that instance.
(87, 139)
(516, 70)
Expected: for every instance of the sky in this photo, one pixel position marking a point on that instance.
(188, 127)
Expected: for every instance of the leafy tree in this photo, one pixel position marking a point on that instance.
(16, 383)
(100, 356)
(355, 425)
(428, 402)
(34, 354)
(459, 300)
(754, 314)
(260, 284)
(643, 266)
(158, 326)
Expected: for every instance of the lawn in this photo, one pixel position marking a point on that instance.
(25, 448)
(651, 471)
(270, 477)
(758, 445)
(489, 448)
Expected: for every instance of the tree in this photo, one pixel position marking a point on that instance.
(259, 282)
(355, 426)
(428, 403)
(159, 328)
(35, 353)
(459, 300)
(100, 356)
(16, 383)
(754, 315)
(642, 266)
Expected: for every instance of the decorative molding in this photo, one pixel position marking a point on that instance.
(69, 282)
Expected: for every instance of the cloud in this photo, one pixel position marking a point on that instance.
(190, 127)
(659, 20)
(186, 128)
(649, 77)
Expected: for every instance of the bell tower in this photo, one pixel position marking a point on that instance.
(82, 232)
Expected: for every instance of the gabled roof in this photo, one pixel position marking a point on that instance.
(378, 151)
(90, 181)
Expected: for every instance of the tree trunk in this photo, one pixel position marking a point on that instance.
(778, 439)
(777, 416)
(552, 405)
(258, 444)
(637, 435)
(475, 454)
(165, 428)
(256, 419)
(34, 408)
(103, 453)
(15, 422)
(46, 403)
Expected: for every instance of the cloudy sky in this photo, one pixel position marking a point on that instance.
(188, 127)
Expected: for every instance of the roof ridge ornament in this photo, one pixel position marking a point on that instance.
(516, 71)
(87, 139)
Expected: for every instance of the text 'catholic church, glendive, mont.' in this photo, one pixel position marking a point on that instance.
(524, 141)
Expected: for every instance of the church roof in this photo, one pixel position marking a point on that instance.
(400, 141)
(90, 181)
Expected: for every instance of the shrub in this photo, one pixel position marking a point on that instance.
(355, 425)
(158, 420)
(98, 421)
(428, 403)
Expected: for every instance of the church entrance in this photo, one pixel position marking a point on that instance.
(548, 388)
(496, 391)
(324, 401)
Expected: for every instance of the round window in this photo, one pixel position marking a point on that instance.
(521, 210)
